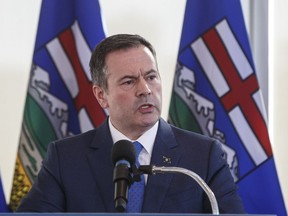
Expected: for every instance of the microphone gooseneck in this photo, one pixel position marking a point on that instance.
(123, 157)
(151, 169)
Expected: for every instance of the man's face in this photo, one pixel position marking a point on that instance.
(134, 95)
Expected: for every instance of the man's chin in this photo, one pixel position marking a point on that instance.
(150, 122)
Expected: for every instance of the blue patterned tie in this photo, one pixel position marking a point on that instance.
(136, 191)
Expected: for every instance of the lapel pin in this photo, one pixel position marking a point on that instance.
(166, 159)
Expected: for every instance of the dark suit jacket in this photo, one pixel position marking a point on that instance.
(76, 175)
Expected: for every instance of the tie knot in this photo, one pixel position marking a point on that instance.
(138, 147)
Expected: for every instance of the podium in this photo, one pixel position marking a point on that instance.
(123, 214)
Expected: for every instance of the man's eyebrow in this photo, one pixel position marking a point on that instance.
(127, 77)
(151, 71)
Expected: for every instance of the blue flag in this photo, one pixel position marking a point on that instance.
(216, 93)
(3, 204)
(59, 99)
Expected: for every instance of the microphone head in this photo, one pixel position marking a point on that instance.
(123, 150)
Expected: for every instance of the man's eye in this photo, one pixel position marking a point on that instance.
(128, 82)
(152, 77)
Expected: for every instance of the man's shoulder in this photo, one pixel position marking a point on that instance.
(83, 137)
(185, 137)
(186, 134)
(80, 142)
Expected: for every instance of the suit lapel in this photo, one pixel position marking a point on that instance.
(101, 165)
(165, 153)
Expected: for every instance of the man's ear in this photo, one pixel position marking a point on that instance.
(100, 95)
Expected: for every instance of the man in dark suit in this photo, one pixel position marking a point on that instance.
(76, 175)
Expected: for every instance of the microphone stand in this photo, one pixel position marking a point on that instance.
(151, 169)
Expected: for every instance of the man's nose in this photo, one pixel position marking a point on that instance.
(143, 88)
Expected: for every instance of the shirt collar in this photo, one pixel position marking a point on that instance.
(147, 139)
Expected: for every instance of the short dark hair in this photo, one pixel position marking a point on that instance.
(116, 42)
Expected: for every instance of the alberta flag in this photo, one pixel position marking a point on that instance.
(216, 93)
(59, 100)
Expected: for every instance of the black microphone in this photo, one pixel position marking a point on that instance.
(123, 157)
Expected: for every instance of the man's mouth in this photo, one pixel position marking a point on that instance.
(146, 108)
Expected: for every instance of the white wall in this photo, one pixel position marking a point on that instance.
(160, 21)
(18, 21)
(278, 82)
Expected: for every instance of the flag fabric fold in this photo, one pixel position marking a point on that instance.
(59, 100)
(216, 93)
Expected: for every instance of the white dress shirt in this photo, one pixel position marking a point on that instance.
(147, 141)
